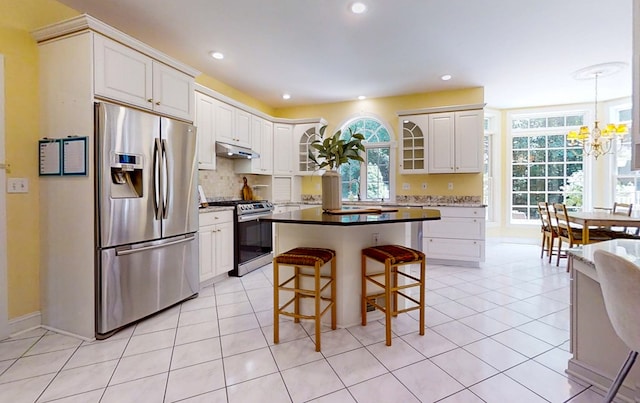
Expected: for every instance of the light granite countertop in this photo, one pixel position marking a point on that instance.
(627, 248)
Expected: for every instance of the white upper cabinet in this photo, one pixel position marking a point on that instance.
(205, 124)
(283, 161)
(413, 144)
(262, 143)
(124, 74)
(455, 142)
(233, 125)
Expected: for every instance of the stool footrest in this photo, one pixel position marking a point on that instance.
(302, 316)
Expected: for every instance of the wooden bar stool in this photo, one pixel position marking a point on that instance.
(392, 256)
(314, 258)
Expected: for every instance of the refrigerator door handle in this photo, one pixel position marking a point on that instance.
(167, 185)
(156, 178)
(129, 251)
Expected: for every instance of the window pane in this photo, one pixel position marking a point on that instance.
(554, 185)
(573, 168)
(537, 185)
(577, 120)
(555, 198)
(538, 156)
(537, 122)
(520, 199)
(557, 121)
(520, 124)
(521, 156)
(520, 143)
(557, 140)
(556, 156)
(624, 115)
(520, 185)
(574, 154)
(538, 141)
(537, 198)
(538, 170)
(556, 170)
(519, 171)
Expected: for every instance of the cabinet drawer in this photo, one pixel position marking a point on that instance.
(453, 249)
(460, 211)
(461, 228)
(215, 217)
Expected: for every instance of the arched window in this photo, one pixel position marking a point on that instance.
(373, 179)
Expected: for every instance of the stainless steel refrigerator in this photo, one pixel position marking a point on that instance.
(146, 215)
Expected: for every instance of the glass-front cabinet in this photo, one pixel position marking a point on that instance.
(414, 144)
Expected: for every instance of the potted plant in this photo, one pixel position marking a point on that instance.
(331, 153)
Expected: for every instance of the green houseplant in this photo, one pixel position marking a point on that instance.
(330, 153)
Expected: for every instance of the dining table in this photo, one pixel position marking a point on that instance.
(589, 219)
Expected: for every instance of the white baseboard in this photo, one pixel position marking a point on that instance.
(24, 323)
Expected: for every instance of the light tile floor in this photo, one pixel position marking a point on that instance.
(498, 333)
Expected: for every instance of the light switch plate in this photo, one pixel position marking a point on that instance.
(450, 186)
(424, 186)
(406, 186)
(17, 185)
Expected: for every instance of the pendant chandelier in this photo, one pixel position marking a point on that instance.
(598, 141)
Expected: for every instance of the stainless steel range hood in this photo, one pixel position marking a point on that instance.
(231, 151)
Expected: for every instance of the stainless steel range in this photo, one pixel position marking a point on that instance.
(253, 243)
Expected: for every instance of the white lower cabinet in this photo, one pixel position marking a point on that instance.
(216, 244)
(459, 236)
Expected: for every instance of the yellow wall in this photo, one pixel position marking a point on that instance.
(17, 19)
(385, 109)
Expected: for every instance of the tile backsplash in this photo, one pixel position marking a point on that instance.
(225, 184)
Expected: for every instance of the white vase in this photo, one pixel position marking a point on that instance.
(331, 194)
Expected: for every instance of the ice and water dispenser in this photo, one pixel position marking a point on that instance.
(126, 176)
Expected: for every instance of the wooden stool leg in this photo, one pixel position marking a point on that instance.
(317, 304)
(394, 270)
(334, 308)
(421, 299)
(296, 302)
(387, 297)
(276, 303)
(363, 303)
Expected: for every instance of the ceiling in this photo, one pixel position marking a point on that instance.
(522, 52)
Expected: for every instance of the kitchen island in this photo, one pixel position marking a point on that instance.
(598, 353)
(348, 234)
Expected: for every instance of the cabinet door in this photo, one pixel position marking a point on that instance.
(172, 92)
(242, 134)
(413, 145)
(206, 237)
(469, 141)
(224, 248)
(204, 121)
(122, 74)
(224, 122)
(282, 149)
(441, 142)
(266, 148)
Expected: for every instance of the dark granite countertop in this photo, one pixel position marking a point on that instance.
(316, 216)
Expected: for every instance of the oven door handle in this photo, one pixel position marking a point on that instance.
(252, 217)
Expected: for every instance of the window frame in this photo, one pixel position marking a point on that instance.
(391, 145)
(584, 111)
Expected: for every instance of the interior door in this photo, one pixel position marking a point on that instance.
(4, 301)
(179, 144)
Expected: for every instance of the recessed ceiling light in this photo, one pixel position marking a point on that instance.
(358, 8)
(286, 96)
(446, 77)
(217, 55)
(361, 97)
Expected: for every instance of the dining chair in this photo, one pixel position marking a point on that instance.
(549, 233)
(620, 283)
(570, 235)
